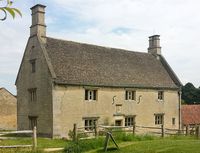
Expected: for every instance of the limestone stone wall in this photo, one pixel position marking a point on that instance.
(41, 80)
(70, 106)
(8, 110)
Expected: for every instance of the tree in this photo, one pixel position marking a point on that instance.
(190, 94)
(8, 9)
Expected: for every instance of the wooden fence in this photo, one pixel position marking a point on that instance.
(34, 136)
(159, 130)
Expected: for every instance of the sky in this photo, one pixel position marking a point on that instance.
(125, 24)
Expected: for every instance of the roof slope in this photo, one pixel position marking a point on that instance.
(84, 64)
(190, 114)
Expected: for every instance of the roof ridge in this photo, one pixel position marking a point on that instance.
(106, 47)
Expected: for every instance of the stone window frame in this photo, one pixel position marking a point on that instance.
(129, 120)
(33, 121)
(33, 65)
(91, 94)
(161, 95)
(159, 118)
(89, 123)
(173, 121)
(32, 94)
(130, 95)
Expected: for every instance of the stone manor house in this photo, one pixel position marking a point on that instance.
(62, 82)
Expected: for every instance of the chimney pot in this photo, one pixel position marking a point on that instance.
(38, 27)
(154, 45)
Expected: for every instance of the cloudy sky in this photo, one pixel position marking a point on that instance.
(113, 23)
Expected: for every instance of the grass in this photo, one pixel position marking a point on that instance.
(151, 144)
(127, 143)
(42, 143)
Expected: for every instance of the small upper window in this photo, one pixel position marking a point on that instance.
(130, 95)
(32, 94)
(33, 65)
(90, 94)
(160, 95)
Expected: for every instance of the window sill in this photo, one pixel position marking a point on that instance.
(90, 101)
(130, 100)
(158, 100)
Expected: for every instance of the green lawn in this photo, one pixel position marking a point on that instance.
(157, 146)
(42, 143)
(127, 144)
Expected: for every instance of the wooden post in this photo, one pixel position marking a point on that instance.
(162, 131)
(106, 142)
(134, 126)
(75, 133)
(96, 130)
(198, 131)
(34, 138)
(187, 130)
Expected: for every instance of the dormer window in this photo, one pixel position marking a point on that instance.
(130, 95)
(90, 95)
(33, 65)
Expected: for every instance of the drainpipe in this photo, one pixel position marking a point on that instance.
(179, 109)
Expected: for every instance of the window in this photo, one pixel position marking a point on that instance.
(129, 121)
(33, 65)
(89, 124)
(32, 122)
(32, 94)
(160, 95)
(159, 119)
(130, 95)
(118, 108)
(90, 95)
(173, 121)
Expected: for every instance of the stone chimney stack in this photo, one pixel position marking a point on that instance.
(38, 27)
(154, 45)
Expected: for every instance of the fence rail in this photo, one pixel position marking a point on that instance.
(34, 135)
(96, 129)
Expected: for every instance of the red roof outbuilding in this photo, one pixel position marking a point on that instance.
(190, 114)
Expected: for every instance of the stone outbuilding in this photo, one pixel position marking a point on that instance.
(62, 82)
(8, 110)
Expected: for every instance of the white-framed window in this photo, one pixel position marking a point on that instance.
(129, 120)
(90, 94)
(89, 123)
(130, 95)
(159, 119)
(160, 95)
(32, 94)
(33, 65)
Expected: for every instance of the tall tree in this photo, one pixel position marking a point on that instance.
(7, 8)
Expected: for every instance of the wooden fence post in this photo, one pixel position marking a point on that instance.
(187, 130)
(162, 131)
(96, 130)
(134, 127)
(198, 131)
(34, 138)
(75, 133)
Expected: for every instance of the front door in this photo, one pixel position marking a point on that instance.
(118, 122)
